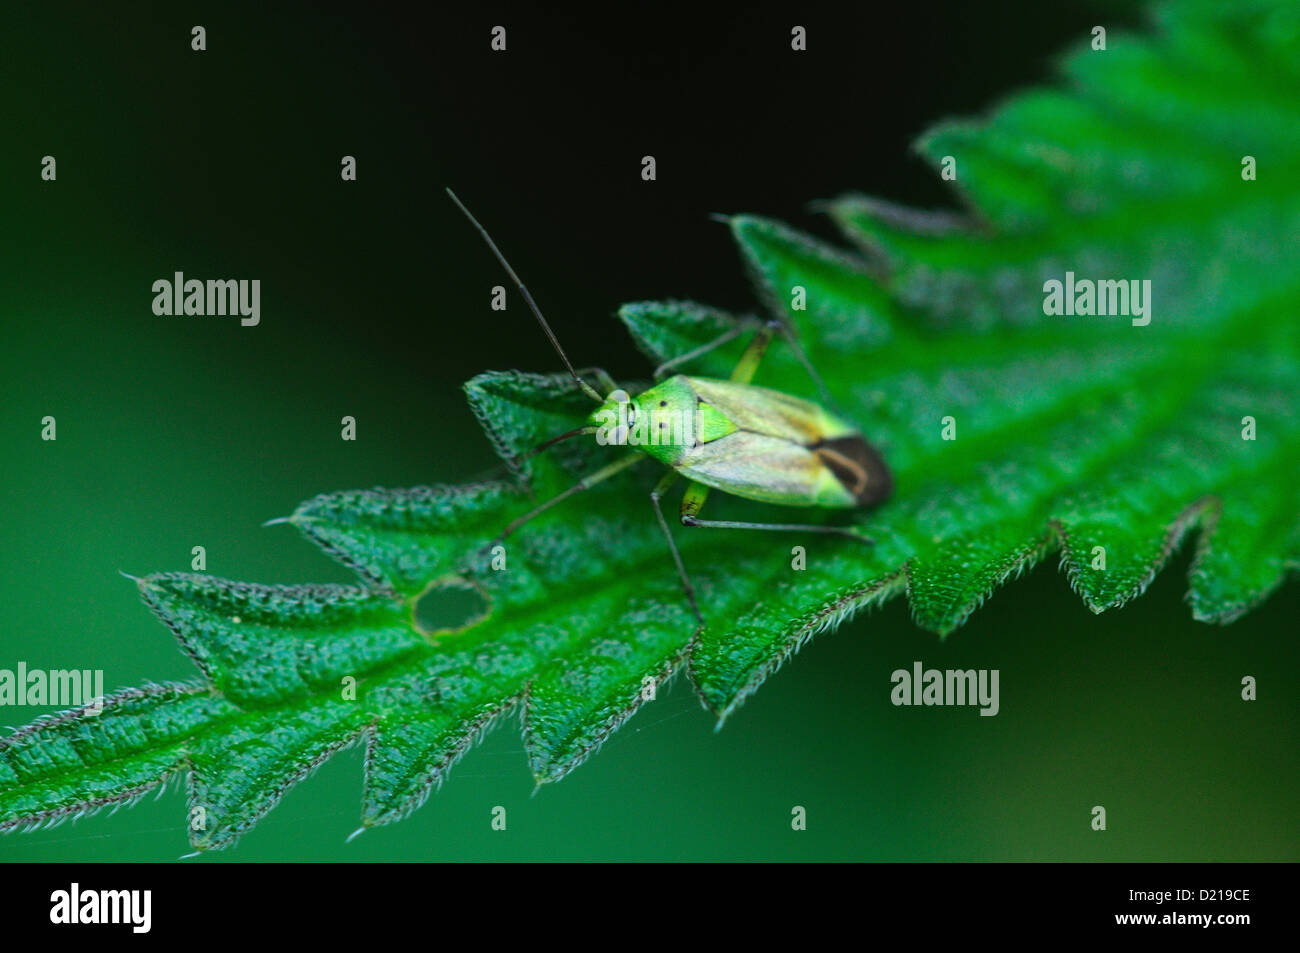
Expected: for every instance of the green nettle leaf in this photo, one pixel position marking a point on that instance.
(1013, 434)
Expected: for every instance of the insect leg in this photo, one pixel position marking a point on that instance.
(799, 354)
(759, 345)
(692, 500)
(656, 494)
(726, 336)
(607, 383)
(547, 444)
(696, 494)
(749, 361)
(586, 483)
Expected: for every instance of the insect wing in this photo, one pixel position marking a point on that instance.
(765, 468)
(760, 410)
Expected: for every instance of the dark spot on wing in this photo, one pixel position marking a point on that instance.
(858, 466)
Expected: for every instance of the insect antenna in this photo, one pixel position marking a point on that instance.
(537, 312)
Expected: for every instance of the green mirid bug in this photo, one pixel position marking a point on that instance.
(728, 435)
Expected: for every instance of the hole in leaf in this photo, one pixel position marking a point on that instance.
(448, 605)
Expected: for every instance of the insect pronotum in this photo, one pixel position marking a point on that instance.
(728, 435)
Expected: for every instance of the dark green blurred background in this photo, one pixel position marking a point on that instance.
(179, 431)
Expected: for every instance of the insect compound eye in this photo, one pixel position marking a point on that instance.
(622, 398)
